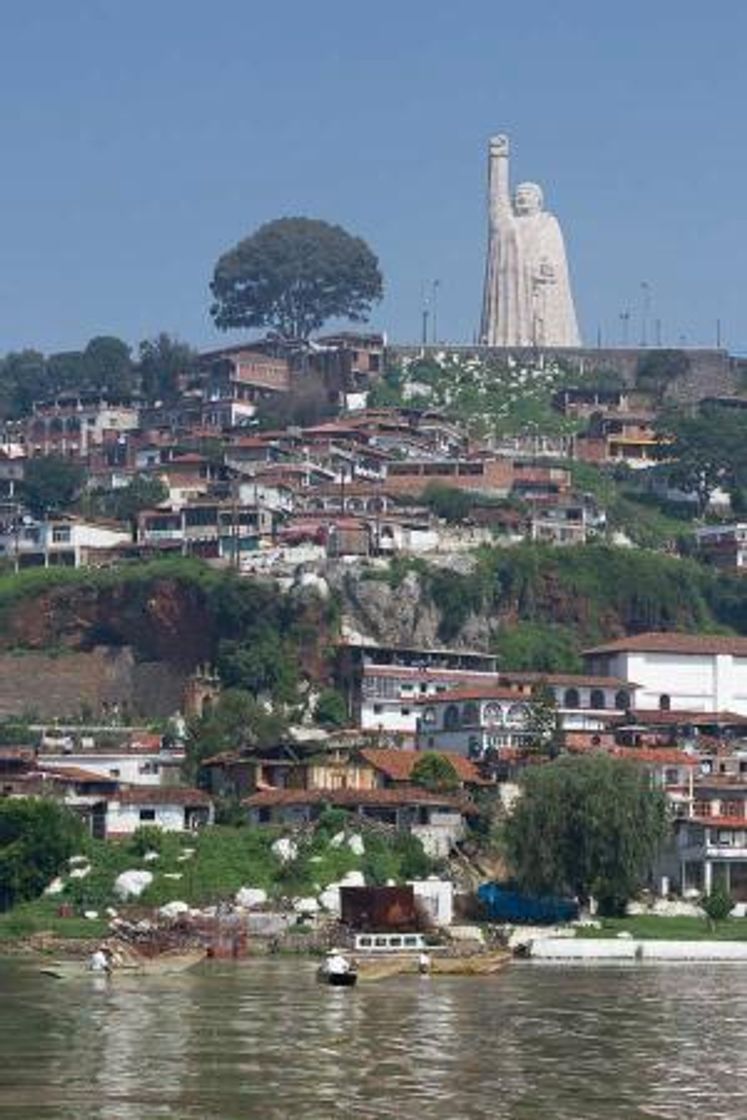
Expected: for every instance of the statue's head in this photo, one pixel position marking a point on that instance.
(528, 198)
(499, 145)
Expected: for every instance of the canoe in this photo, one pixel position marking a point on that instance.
(163, 965)
(477, 964)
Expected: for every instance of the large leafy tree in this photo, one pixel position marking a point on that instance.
(237, 722)
(705, 451)
(36, 838)
(588, 826)
(294, 274)
(163, 361)
(50, 484)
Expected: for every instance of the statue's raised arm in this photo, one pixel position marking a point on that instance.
(498, 179)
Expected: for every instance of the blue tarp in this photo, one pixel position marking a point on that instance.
(504, 904)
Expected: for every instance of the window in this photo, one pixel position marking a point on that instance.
(147, 814)
(405, 711)
(61, 534)
(451, 718)
(378, 709)
(665, 702)
(622, 700)
(571, 698)
(597, 699)
(470, 715)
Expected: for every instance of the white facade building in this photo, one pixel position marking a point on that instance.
(173, 810)
(679, 672)
(385, 684)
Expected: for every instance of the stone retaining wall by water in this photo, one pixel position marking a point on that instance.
(627, 948)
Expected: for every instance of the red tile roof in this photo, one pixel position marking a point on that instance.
(162, 795)
(399, 796)
(398, 764)
(76, 774)
(654, 716)
(568, 680)
(719, 822)
(659, 641)
(476, 692)
(656, 756)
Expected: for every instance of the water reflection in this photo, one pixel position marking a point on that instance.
(264, 1040)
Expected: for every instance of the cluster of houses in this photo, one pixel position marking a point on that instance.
(350, 482)
(674, 703)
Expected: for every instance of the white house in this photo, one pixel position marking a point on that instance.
(474, 720)
(173, 810)
(385, 683)
(66, 541)
(678, 672)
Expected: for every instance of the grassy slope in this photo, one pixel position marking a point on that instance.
(650, 927)
(224, 860)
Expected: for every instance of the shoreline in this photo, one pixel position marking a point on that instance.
(568, 949)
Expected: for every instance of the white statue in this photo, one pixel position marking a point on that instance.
(527, 299)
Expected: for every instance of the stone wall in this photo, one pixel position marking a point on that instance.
(64, 685)
(711, 373)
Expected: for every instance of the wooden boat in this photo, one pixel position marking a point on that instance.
(474, 964)
(162, 965)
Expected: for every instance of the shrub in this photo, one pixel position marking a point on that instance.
(717, 905)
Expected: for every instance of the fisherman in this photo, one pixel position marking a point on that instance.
(100, 960)
(336, 963)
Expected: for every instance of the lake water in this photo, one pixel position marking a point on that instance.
(235, 1042)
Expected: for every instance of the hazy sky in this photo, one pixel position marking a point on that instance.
(141, 138)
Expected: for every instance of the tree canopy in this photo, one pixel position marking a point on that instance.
(435, 772)
(163, 360)
(294, 274)
(36, 838)
(705, 451)
(237, 721)
(50, 484)
(587, 826)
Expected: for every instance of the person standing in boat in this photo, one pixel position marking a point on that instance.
(100, 960)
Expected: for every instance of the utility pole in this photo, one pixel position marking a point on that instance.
(718, 334)
(625, 323)
(434, 303)
(424, 317)
(657, 332)
(645, 309)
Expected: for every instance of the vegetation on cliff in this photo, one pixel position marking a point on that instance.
(539, 606)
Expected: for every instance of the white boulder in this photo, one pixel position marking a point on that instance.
(172, 875)
(337, 840)
(353, 879)
(151, 857)
(57, 886)
(356, 845)
(306, 906)
(76, 861)
(285, 849)
(80, 872)
(330, 899)
(131, 884)
(173, 909)
(248, 897)
(91, 915)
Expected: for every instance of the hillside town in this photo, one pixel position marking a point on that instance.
(291, 466)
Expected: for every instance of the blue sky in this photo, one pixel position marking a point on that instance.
(139, 140)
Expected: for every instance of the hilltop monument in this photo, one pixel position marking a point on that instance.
(527, 299)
